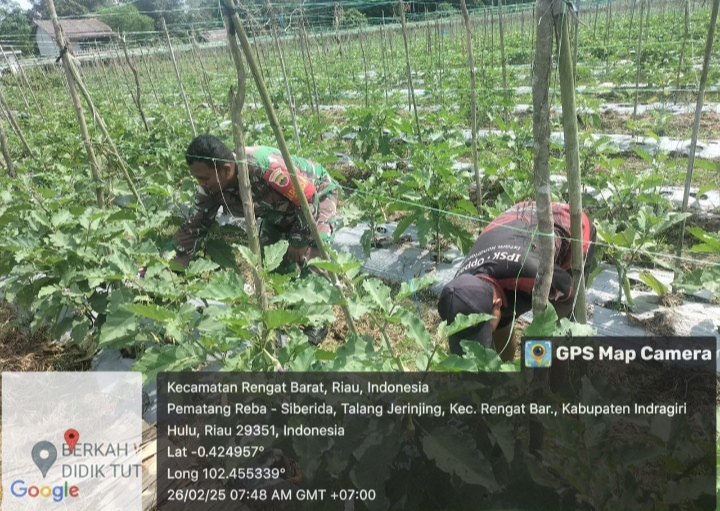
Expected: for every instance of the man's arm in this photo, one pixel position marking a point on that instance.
(195, 228)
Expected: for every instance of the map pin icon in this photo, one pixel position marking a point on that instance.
(44, 463)
(71, 438)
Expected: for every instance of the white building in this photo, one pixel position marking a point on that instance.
(83, 35)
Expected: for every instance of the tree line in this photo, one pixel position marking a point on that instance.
(141, 19)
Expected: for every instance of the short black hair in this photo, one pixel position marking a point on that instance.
(207, 147)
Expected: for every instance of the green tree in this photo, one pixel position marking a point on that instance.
(174, 12)
(68, 8)
(15, 28)
(126, 19)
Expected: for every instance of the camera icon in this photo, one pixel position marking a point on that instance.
(538, 353)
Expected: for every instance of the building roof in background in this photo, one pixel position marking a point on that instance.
(76, 29)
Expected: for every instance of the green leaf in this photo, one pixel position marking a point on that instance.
(657, 286)
(79, 331)
(120, 325)
(485, 359)
(313, 289)
(247, 255)
(221, 252)
(280, 317)
(456, 453)
(463, 321)
(415, 329)
(150, 311)
(457, 364)
(274, 255)
(414, 285)
(710, 165)
(543, 324)
(366, 240)
(403, 225)
(575, 329)
(379, 293)
(227, 286)
(200, 266)
(170, 357)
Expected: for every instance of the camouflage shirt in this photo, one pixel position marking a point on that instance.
(276, 203)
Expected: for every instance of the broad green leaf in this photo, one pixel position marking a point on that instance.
(169, 357)
(227, 286)
(543, 324)
(273, 255)
(456, 363)
(366, 241)
(120, 325)
(415, 329)
(463, 321)
(247, 255)
(200, 266)
(276, 318)
(403, 225)
(575, 329)
(485, 359)
(414, 285)
(456, 453)
(150, 311)
(313, 289)
(379, 293)
(657, 286)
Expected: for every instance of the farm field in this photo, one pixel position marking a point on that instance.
(71, 246)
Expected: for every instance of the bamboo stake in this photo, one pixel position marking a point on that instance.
(304, 37)
(305, 69)
(288, 90)
(152, 82)
(547, 10)
(682, 49)
(502, 56)
(6, 152)
(205, 80)
(572, 167)
(365, 67)
(473, 105)
(136, 97)
(237, 102)
(65, 55)
(402, 6)
(13, 122)
(698, 113)
(638, 66)
(383, 42)
(177, 73)
(275, 125)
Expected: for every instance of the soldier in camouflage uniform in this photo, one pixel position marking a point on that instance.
(277, 206)
(276, 203)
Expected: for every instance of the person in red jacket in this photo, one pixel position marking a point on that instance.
(498, 275)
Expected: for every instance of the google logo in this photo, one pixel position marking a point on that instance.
(19, 489)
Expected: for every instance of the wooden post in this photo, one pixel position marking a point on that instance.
(698, 113)
(401, 7)
(177, 74)
(237, 100)
(572, 166)
(138, 90)
(473, 105)
(13, 122)
(87, 141)
(638, 66)
(6, 152)
(547, 10)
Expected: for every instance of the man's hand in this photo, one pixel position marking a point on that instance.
(297, 255)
